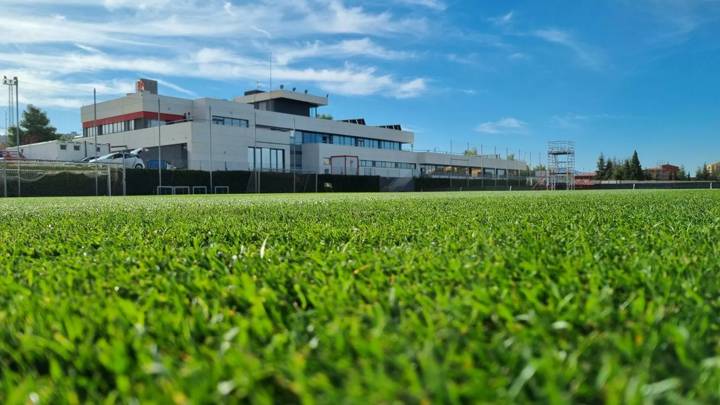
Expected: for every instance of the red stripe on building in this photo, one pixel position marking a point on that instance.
(148, 115)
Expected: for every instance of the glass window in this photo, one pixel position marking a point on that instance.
(251, 157)
(63, 146)
(76, 147)
(265, 158)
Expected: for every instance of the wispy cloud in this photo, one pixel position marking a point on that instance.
(679, 18)
(575, 121)
(68, 45)
(503, 20)
(437, 5)
(586, 55)
(507, 125)
(347, 48)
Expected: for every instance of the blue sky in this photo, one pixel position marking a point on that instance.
(612, 75)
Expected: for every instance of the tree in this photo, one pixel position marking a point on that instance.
(34, 127)
(609, 169)
(471, 152)
(325, 117)
(682, 174)
(636, 171)
(600, 172)
(702, 173)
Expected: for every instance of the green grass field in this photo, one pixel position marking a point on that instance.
(418, 298)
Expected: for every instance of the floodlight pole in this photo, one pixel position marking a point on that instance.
(159, 148)
(95, 147)
(17, 129)
(210, 120)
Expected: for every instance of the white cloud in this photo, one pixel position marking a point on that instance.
(59, 56)
(436, 5)
(503, 20)
(574, 121)
(585, 54)
(343, 49)
(502, 126)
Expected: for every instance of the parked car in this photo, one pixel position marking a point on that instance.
(87, 159)
(132, 160)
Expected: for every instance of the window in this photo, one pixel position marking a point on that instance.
(231, 122)
(76, 147)
(265, 162)
(314, 137)
(63, 146)
(251, 158)
(267, 159)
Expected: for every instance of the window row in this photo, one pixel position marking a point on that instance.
(315, 137)
(388, 165)
(113, 128)
(465, 171)
(230, 122)
(266, 159)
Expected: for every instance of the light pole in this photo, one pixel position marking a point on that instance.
(210, 121)
(13, 83)
(159, 148)
(95, 148)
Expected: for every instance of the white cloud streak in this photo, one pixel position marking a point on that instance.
(507, 125)
(585, 54)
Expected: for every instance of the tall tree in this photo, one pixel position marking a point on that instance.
(609, 168)
(600, 172)
(34, 127)
(636, 171)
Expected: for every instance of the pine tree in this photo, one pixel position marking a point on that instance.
(609, 168)
(600, 172)
(34, 127)
(636, 171)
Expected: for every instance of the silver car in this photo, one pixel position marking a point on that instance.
(131, 160)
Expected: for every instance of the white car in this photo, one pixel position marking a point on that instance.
(132, 160)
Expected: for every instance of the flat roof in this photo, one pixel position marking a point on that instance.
(282, 94)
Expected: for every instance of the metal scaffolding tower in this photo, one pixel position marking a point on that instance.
(561, 165)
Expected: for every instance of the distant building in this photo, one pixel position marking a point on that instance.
(714, 169)
(277, 130)
(62, 150)
(663, 172)
(584, 180)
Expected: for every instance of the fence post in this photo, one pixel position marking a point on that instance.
(109, 182)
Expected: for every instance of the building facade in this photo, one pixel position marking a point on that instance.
(663, 172)
(270, 131)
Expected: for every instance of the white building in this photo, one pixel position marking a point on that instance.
(269, 131)
(66, 151)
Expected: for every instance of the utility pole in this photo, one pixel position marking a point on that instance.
(17, 129)
(13, 85)
(159, 147)
(95, 134)
(210, 120)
